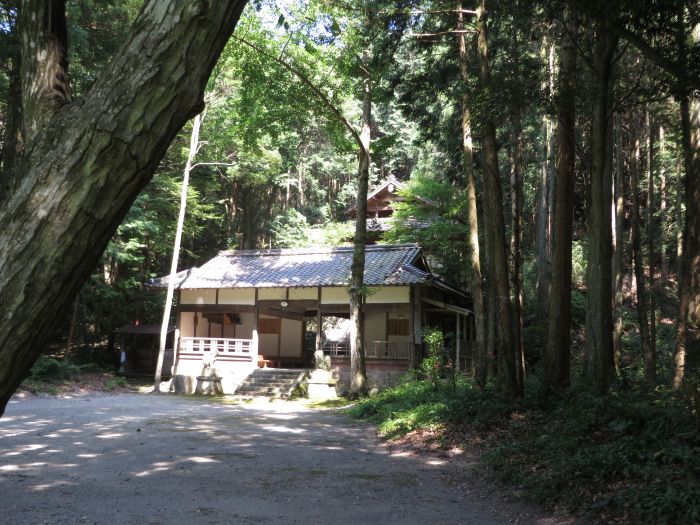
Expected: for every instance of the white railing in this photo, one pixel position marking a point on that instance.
(373, 349)
(218, 348)
(336, 348)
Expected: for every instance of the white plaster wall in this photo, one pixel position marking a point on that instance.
(390, 294)
(271, 294)
(207, 296)
(334, 295)
(237, 296)
(303, 293)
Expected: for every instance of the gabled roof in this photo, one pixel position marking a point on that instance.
(388, 188)
(398, 264)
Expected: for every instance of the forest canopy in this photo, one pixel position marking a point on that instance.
(549, 150)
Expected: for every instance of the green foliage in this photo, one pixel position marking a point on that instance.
(433, 215)
(53, 370)
(290, 230)
(578, 263)
(578, 308)
(416, 405)
(632, 453)
(116, 383)
(432, 367)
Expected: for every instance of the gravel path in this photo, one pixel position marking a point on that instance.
(140, 459)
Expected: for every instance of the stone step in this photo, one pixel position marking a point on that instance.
(262, 390)
(269, 382)
(263, 383)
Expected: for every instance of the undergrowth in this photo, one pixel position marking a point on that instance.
(630, 457)
(54, 376)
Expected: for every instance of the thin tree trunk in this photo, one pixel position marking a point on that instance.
(599, 326)
(358, 373)
(194, 147)
(544, 195)
(619, 254)
(493, 213)
(680, 181)
(71, 328)
(559, 326)
(516, 238)
(650, 356)
(480, 351)
(516, 233)
(638, 259)
(663, 206)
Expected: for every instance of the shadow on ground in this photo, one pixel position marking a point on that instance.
(131, 458)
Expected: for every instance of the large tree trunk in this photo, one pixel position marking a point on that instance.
(86, 165)
(599, 348)
(688, 338)
(559, 325)
(479, 353)
(493, 215)
(358, 373)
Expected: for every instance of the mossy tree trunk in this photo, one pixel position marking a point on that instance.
(86, 163)
(599, 359)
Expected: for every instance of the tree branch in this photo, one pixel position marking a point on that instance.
(674, 68)
(313, 87)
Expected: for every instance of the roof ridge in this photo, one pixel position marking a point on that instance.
(317, 249)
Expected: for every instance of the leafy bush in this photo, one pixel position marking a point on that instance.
(578, 308)
(578, 263)
(53, 370)
(115, 383)
(432, 366)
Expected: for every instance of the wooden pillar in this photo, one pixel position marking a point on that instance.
(255, 338)
(318, 322)
(458, 321)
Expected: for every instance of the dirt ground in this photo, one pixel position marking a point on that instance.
(145, 459)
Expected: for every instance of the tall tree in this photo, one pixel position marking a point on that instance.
(650, 354)
(516, 183)
(194, 147)
(358, 374)
(559, 326)
(688, 337)
(637, 255)
(55, 225)
(599, 349)
(495, 224)
(619, 254)
(480, 357)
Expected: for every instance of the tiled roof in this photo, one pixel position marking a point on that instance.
(384, 265)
